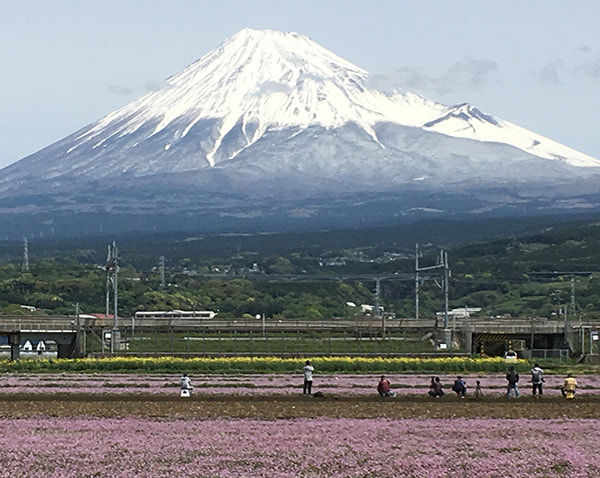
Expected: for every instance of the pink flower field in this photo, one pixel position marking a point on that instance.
(141, 447)
(60, 425)
(265, 384)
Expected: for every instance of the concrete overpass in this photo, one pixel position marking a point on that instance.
(471, 334)
(533, 333)
(60, 329)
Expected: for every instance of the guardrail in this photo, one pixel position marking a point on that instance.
(43, 323)
(475, 325)
(184, 324)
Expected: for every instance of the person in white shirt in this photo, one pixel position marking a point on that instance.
(308, 378)
(186, 383)
(537, 379)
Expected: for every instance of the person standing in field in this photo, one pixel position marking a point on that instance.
(308, 378)
(512, 377)
(537, 379)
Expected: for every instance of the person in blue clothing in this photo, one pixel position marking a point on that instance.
(512, 377)
(460, 387)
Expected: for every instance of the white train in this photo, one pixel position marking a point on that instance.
(175, 314)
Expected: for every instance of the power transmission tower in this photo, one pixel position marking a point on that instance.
(573, 307)
(25, 266)
(377, 312)
(417, 279)
(161, 264)
(442, 263)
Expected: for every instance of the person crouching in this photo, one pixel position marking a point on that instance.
(186, 383)
(569, 387)
(436, 389)
(460, 387)
(384, 388)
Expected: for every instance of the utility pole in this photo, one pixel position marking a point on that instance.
(78, 350)
(107, 287)
(444, 260)
(573, 296)
(116, 299)
(417, 255)
(112, 271)
(567, 314)
(377, 311)
(567, 326)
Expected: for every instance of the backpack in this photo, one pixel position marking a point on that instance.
(535, 376)
(512, 377)
(458, 386)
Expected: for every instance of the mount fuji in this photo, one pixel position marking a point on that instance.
(271, 128)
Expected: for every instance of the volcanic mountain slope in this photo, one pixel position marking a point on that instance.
(271, 114)
(258, 85)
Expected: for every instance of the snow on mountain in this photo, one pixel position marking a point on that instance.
(260, 80)
(271, 128)
(464, 121)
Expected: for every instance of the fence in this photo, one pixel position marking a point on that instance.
(562, 354)
(300, 342)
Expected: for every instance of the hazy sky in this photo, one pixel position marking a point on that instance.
(67, 63)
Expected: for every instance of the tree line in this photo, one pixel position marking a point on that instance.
(287, 276)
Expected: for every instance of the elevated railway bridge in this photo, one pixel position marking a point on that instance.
(469, 335)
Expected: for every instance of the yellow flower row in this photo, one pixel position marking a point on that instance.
(261, 364)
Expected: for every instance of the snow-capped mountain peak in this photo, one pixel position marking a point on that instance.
(269, 117)
(260, 77)
(261, 80)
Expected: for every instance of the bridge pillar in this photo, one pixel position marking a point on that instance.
(14, 340)
(468, 340)
(66, 350)
(448, 338)
(78, 345)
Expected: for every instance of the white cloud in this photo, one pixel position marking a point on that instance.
(584, 49)
(550, 73)
(120, 90)
(464, 75)
(591, 68)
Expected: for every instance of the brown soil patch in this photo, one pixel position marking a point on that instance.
(293, 406)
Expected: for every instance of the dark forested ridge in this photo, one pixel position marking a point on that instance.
(522, 267)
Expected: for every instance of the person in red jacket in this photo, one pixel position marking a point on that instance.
(384, 387)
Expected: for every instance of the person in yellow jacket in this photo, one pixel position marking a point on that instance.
(569, 387)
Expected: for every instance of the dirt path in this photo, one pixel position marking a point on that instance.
(293, 406)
